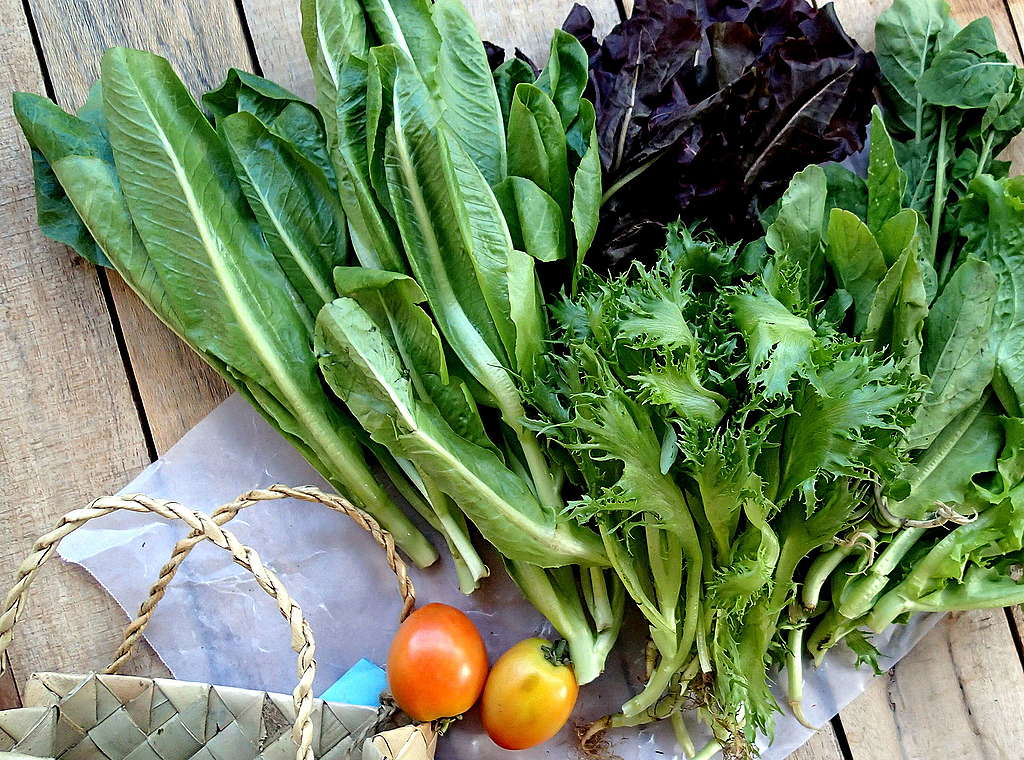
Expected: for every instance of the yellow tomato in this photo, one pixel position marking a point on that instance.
(529, 695)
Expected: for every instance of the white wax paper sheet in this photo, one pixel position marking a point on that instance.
(216, 626)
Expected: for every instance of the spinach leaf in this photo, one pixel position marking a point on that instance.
(957, 354)
(857, 260)
(968, 71)
(887, 183)
(907, 38)
(896, 318)
(795, 235)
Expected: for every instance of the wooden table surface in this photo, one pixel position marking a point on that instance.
(93, 388)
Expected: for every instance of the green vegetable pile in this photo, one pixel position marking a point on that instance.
(758, 447)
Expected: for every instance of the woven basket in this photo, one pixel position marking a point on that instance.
(111, 717)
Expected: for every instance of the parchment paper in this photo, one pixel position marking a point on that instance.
(216, 626)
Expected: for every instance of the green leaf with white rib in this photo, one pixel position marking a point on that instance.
(365, 370)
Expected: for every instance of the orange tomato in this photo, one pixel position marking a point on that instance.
(529, 695)
(437, 665)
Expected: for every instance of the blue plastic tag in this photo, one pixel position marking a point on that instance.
(361, 685)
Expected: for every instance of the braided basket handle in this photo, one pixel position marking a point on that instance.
(228, 512)
(207, 527)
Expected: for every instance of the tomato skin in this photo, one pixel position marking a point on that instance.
(437, 665)
(527, 699)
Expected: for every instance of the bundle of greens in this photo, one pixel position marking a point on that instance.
(949, 528)
(824, 425)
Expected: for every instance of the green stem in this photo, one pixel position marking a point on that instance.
(986, 153)
(829, 632)
(627, 178)
(795, 675)
(819, 572)
(939, 199)
(682, 733)
(469, 565)
(598, 602)
(708, 751)
(861, 595)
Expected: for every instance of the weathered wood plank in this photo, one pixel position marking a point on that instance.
(918, 712)
(70, 430)
(202, 39)
(870, 722)
(274, 26)
(822, 746)
(528, 23)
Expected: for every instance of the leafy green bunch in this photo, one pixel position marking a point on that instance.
(710, 412)
(947, 530)
(240, 227)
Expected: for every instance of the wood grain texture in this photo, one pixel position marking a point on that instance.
(274, 26)
(69, 430)
(528, 23)
(202, 38)
(822, 746)
(916, 714)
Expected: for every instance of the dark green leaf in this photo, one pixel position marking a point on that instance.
(887, 184)
(957, 353)
(299, 215)
(857, 260)
(969, 70)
